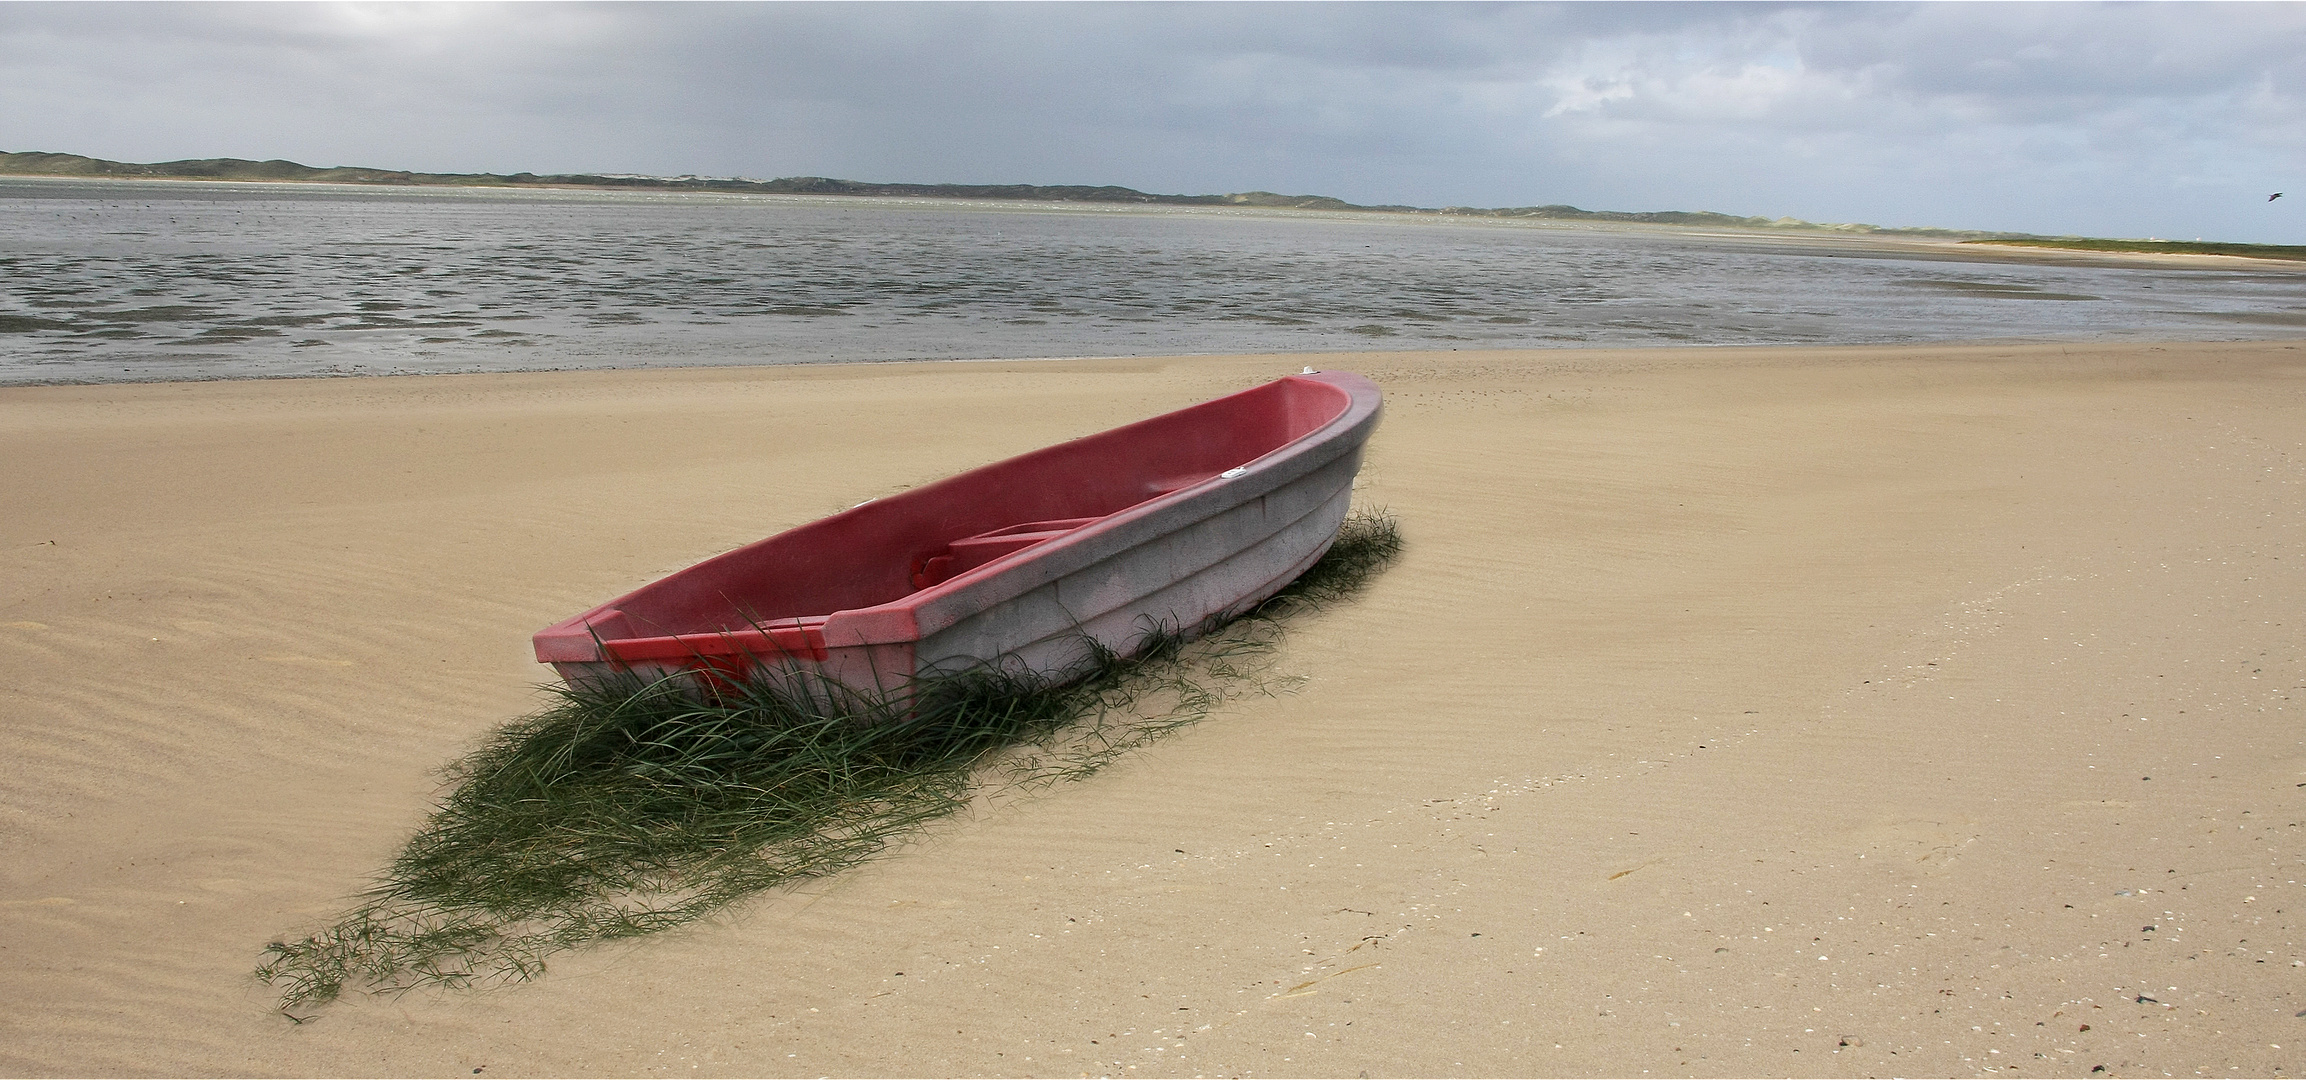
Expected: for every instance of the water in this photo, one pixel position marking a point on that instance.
(121, 280)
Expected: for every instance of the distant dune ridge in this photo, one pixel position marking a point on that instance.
(44, 164)
(276, 170)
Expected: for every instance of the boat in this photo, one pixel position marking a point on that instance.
(1165, 525)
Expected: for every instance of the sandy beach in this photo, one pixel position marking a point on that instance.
(1932, 710)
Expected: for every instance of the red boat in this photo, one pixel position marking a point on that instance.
(1161, 524)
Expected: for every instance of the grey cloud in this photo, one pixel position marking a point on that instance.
(2163, 116)
(2063, 52)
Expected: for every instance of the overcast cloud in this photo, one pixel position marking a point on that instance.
(2119, 120)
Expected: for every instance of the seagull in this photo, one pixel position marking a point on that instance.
(2276, 195)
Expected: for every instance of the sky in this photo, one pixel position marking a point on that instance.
(2129, 120)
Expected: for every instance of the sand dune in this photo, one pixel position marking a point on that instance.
(1733, 712)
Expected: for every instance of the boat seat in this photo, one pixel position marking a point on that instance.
(971, 552)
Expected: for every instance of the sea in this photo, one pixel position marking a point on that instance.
(119, 280)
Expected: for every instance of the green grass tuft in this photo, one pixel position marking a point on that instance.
(631, 807)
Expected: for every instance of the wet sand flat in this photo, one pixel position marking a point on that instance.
(1929, 710)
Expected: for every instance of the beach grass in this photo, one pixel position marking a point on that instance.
(629, 807)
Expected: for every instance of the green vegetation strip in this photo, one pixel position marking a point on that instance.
(2291, 252)
(625, 809)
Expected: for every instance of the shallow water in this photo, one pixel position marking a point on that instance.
(123, 280)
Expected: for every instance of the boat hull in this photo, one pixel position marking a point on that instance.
(1158, 527)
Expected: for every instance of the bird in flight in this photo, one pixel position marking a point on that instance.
(2276, 195)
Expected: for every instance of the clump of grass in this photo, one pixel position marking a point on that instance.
(1367, 542)
(628, 807)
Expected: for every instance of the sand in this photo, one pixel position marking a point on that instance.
(1929, 710)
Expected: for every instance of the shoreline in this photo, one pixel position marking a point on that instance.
(1956, 245)
(1733, 710)
(1113, 197)
(1132, 358)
